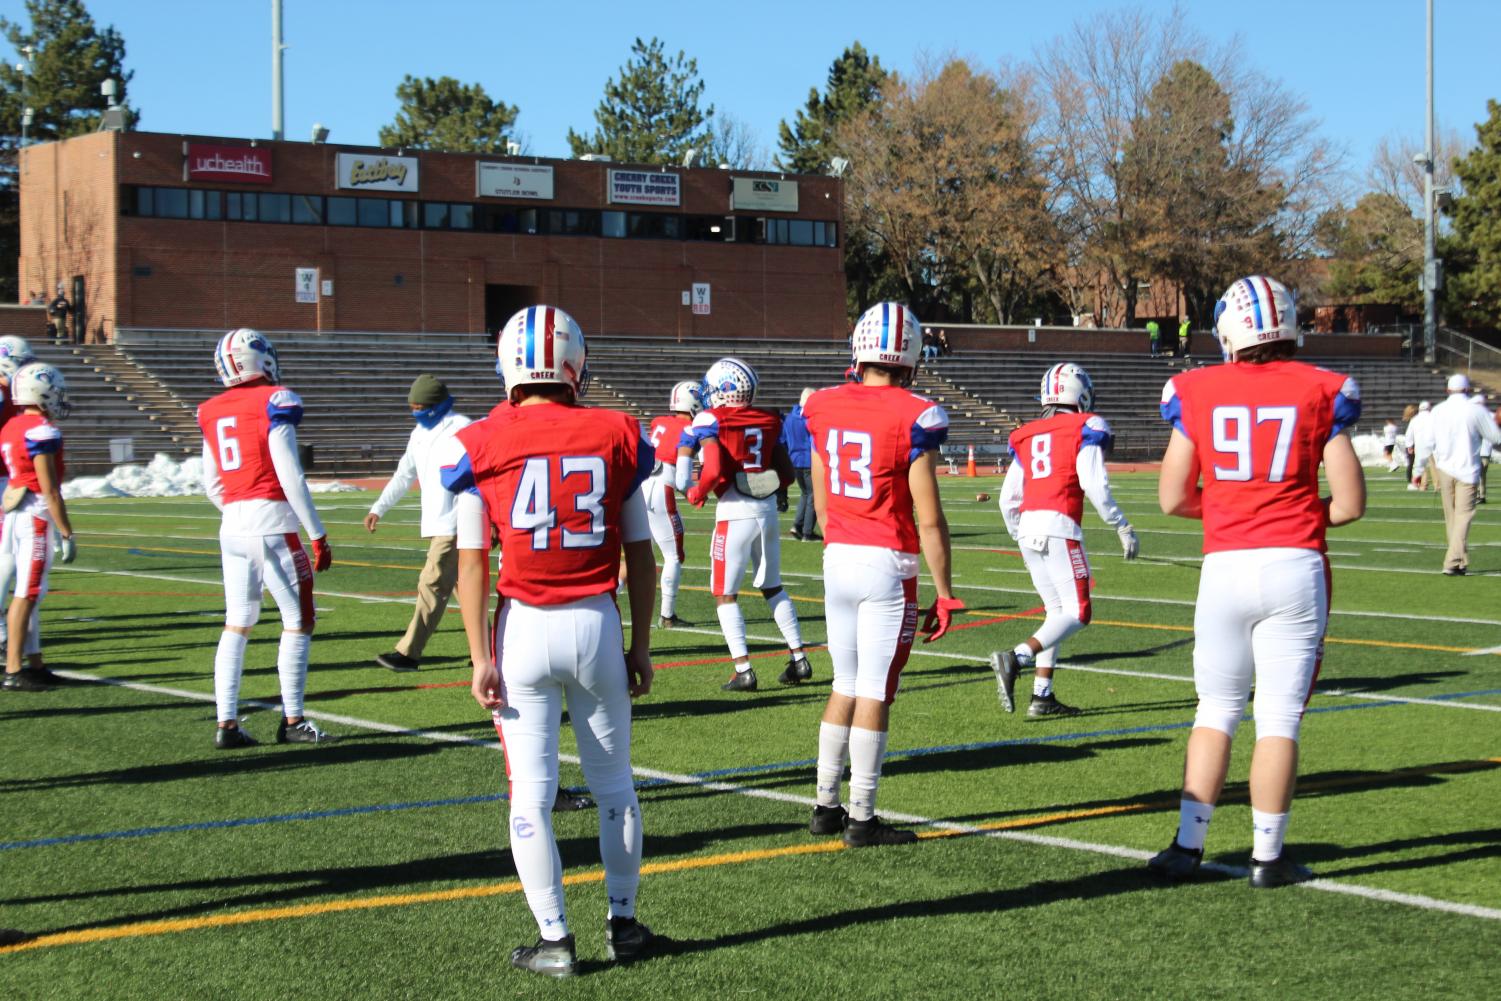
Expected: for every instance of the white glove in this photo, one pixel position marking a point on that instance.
(67, 549)
(1129, 545)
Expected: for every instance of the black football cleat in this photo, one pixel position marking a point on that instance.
(828, 820)
(567, 802)
(1006, 668)
(1280, 871)
(24, 681)
(551, 959)
(798, 669)
(395, 661)
(229, 738)
(875, 831)
(627, 940)
(1048, 706)
(304, 731)
(743, 681)
(671, 622)
(1176, 862)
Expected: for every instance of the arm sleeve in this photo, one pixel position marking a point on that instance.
(929, 431)
(1011, 496)
(283, 441)
(212, 485)
(1172, 408)
(401, 481)
(1486, 425)
(1091, 470)
(633, 524)
(473, 528)
(1346, 407)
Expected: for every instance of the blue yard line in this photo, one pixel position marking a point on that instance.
(717, 773)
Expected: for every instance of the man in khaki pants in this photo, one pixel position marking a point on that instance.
(1458, 429)
(432, 409)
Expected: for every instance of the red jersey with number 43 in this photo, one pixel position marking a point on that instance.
(554, 478)
(867, 438)
(237, 426)
(1049, 452)
(1259, 433)
(24, 437)
(664, 434)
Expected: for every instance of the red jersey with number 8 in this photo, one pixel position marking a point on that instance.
(237, 424)
(1049, 452)
(1259, 433)
(554, 478)
(867, 438)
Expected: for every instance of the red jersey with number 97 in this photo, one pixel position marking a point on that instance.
(554, 478)
(237, 424)
(1259, 433)
(867, 438)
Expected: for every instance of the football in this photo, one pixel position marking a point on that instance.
(981, 498)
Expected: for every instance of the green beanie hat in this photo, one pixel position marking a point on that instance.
(427, 391)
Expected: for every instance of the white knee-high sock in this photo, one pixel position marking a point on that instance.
(1268, 830)
(1193, 823)
(34, 631)
(535, 853)
(291, 667)
(620, 850)
(229, 661)
(7, 578)
(786, 618)
(833, 752)
(867, 749)
(732, 622)
(672, 572)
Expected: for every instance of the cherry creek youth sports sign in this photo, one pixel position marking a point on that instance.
(217, 162)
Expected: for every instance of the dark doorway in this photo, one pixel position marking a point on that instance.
(504, 301)
(80, 312)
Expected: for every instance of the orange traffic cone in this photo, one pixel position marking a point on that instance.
(969, 467)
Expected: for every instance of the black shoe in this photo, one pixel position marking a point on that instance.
(828, 820)
(812, 537)
(1454, 572)
(567, 802)
(1006, 668)
(230, 738)
(796, 535)
(798, 669)
(627, 940)
(397, 661)
(23, 681)
(1176, 862)
(1043, 706)
(551, 959)
(1280, 871)
(743, 681)
(671, 622)
(304, 731)
(875, 831)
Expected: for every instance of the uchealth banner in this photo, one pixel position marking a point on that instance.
(644, 187)
(217, 162)
(376, 172)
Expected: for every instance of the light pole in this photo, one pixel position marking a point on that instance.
(27, 114)
(1430, 258)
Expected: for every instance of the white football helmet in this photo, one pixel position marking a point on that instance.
(887, 334)
(1255, 310)
(685, 399)
(729, 382)
(542, 344)
(14, 352)
(245, 354)
(40, 385)
(1067, 385)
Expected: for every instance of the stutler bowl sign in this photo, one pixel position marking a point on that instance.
(215, 162)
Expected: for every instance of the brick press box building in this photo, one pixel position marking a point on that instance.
(153, 230)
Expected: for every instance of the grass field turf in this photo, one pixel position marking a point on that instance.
(376, 866)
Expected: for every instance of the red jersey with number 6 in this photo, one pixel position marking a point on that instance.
(1259, 433)
(237, 426)
(664, 434)
(867, 438)
(554, 478)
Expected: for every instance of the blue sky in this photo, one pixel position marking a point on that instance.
(205, 67)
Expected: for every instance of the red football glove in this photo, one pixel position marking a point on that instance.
(936, 620)
(697, 494)
(323, 556)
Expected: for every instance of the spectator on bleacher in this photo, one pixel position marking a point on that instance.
(432, 409)
(1154, 335)
(800, 450)
(57, 327)
(1458, 428)
(944, 347)
(929, 346)
(1486, 449)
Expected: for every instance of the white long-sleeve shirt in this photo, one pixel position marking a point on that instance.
(263, 516)
(420, 464)
(1420, 436)
(1090, 468)
(1459, 427)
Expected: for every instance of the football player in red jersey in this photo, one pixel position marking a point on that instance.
(1248, 439)
(32, 448)
(253, 476)
(1056, 462)
(560, 483)
(875, 445)
(14, 353)
(684, 403)
(744, 464)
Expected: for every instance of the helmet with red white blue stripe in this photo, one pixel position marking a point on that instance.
(729, 382)
(1067, 385)
(887, 334)
(1255, 310)
(686, 398)
(541, 345)
(245, 354)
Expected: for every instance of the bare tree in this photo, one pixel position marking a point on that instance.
(1394, 172)
(734, 142)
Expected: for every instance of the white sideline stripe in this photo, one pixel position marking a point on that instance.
(213, 540)
(1489, 649)
(1045, 840)
(371, 598)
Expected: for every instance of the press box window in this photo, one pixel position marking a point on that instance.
(461, 216)
(203, 204)
(307, 209)
(612, 224)
(435, 215)
(171, 203)
(341, 211)
(373, 212)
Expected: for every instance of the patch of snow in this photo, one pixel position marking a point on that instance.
(163, 476)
